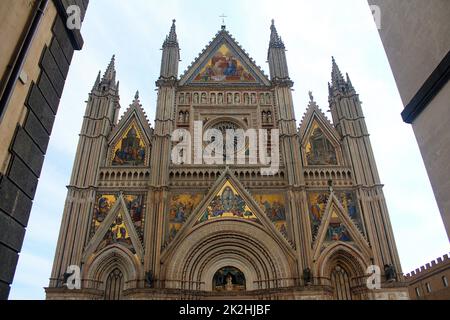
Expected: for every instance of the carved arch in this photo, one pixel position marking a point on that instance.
(100, 265)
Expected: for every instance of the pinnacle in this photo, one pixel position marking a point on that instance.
(172, 38)
(110, 73)
(336, 75)
(275, 39)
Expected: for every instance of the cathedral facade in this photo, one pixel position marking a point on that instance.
(139, 225)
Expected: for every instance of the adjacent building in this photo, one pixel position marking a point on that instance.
(35, 54)
(416, 37)
(430, 282)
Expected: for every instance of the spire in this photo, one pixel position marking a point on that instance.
(97, 81)
(110, 73)
(172, 39)
(349, 84)
(170, 56)
(275, 39)
(337, 80)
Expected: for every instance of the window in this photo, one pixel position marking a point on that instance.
(445, 281)
(417, 292)
(428, 286)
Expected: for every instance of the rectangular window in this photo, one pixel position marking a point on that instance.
(445, 281)
(428, 286)
(418, 292)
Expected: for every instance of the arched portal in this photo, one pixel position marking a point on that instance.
(226, 243)
(344, 267)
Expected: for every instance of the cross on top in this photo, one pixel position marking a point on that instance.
(223, 16)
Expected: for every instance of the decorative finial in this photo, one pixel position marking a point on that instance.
(311, 97)
(223, 16)
(136, 99)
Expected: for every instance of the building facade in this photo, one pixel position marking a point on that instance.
(35, 54)
(430, 282)
(415, 37)
(140, 224)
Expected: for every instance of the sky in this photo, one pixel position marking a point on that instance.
(312, 31)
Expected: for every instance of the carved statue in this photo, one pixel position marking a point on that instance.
(307, 276)
(390, 273)
(149, 279)
(66, 277)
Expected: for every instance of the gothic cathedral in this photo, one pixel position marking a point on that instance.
(139, 226)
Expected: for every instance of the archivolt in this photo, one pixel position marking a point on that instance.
(343, 254)
(223, 243)
(100, 265)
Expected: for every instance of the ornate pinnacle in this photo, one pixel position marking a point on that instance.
(172, 39)
(275, 39)
(349, 84)
(337, 79)
(110, 73)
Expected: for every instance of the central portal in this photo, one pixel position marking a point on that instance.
(229, 279)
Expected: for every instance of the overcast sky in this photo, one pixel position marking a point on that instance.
(313, 31)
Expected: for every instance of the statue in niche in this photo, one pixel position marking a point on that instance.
(213, 98)
(195, 97)
(204, 100)
(220, 99)
(253, 98)
(264, 117)
(237, 98)
(262, 99)
(246, 98)
(229, 98)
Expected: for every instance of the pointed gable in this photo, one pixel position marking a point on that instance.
(228, 203)
(117, 227)
(319, 139)
(337, 226)
(228, 199)
(224, 62)
(130, 141)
